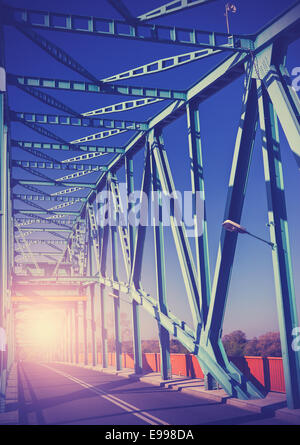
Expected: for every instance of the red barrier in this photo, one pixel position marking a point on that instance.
(276, 374)
(198, 374)
(128, 361)
(252, 367)
(150, 362)
(178, 364)
(266, 371)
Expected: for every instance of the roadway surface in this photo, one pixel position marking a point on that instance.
(57, 394)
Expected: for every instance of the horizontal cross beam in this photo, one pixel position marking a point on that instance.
(121, 29)
(58, 242)
(53, 183)
(72, 199)
(57, 166)
(90, 87)
(56, 119)
(27, 221)
(66, 147)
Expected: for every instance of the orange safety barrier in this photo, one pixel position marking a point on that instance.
(266, 371)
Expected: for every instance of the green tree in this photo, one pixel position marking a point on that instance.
(234, 343)
(266, 345)
(269, 345)
(252, 347)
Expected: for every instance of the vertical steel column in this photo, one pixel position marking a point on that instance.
(197, 180)
(72, 319)
(70, 329)
(103, 327)
(201, 239)
(76, 332)
(91, 271)
(233, 211)
(93, 326)
(104, 232)
(136, 268)
(103, 244)
(284, 285)
(116, 302)
(164, 336)
(183, 248)
(137, 347)
(85, 336)
(3, 242)
(67, 337)
(287, 106)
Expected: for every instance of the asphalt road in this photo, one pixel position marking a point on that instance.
(67, 395)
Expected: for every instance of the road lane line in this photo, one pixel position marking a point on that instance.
(147, 417)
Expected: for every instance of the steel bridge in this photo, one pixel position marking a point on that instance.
(54, 256)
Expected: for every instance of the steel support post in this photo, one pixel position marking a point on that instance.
(137, 347)
(199, 216)
(85, 334)
(103, 236)
(233, 211)
(164, 336)
(69, 336)
(282, 265)
(286, 104)
(103, 327)
(116, 302)
(70, 329)
(136, 268)
(200, 221)
(72, 324)
(3, 243)
(93, 326)
(67, 351)
(179, 232)
(91, 271)
(76, 332)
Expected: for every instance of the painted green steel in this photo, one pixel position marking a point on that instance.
(179, 232)
(161, 285)
(21, 16)
(90, 87)
(286, 104)
(84, 256)
(104, 234)
(92, 267)
(197, 181)
(137, 344)
(282, 263)
(58, 119)
(57, 166)
(63, 147)
(115, 273)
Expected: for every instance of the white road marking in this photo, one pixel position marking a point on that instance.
(147, 417)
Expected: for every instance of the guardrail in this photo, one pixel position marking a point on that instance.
(266, 371)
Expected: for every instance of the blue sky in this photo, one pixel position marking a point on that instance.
(251, 303)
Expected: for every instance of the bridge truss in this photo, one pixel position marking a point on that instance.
(39, 189)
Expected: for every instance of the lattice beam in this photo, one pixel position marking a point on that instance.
(119, 29)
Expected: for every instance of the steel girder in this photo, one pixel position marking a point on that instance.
(145, 32)
(257, 58)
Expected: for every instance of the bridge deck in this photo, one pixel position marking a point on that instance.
(66, 395)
